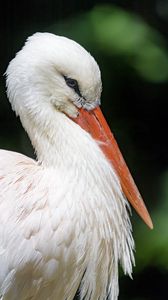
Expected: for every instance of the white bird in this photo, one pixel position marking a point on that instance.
(64, 223)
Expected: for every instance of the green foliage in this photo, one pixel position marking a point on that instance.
(118, 33)
(152, 246)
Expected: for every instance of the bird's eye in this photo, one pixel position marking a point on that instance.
(71, 82)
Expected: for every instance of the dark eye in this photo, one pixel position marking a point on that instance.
(71, 82)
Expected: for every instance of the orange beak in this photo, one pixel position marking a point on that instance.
(94, 122)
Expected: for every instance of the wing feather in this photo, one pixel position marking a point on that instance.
(36, 232)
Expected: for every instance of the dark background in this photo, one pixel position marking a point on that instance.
(129, 41)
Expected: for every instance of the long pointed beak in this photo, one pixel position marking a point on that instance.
(94, 122)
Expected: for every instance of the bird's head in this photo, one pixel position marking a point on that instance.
(54, 70)
(52, 73)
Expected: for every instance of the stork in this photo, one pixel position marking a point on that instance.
(64, 221)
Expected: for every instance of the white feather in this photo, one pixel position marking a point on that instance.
(64, 220)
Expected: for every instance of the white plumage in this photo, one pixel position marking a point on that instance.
(64, 221)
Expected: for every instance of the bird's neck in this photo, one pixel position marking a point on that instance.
(57, 140)
(92, 188)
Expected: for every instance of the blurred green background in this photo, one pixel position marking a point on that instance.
(129, 41)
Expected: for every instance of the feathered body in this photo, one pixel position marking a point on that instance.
(64, 220)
